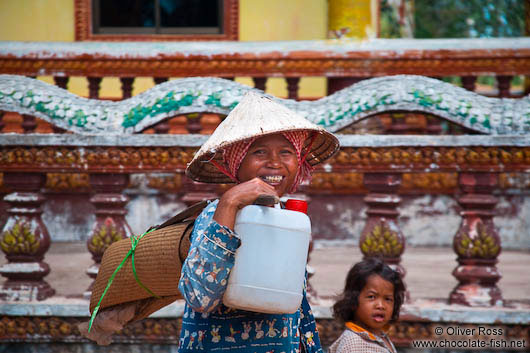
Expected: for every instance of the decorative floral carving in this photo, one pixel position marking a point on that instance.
(141, 159)
(428, 157)
(430, 182)
(382, 241)
(337, 182)
(67, 181)
(168, 183)
(104, 235)
(21, 239)
(483, 245)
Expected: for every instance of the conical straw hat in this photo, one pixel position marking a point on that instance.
(256, 116)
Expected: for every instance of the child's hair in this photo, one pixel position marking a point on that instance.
(344, 309)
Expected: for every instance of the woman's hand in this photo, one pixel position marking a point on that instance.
(239, 196)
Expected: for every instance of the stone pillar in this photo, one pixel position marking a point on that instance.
(61, 81)
(468, 82)
(193, 123)
(337, 83)
(434, 125)
(399, 124)
(111, 224)
(350, 19)
(58, 130)
(93, 87)
(25, 240)
(381, 236)
(477, 243)
(126, 87)
(503, 84)
(162, 127)
(29, 123)
(195, 192)
(292, 87)
(260, 83)
(159, 80)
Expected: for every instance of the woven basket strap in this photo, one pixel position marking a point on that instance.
(193, 210)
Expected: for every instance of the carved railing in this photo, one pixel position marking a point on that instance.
(342, 62)
(104, 142)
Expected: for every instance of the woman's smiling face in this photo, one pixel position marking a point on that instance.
(273, 159)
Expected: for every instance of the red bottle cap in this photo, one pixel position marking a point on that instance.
(296, 205)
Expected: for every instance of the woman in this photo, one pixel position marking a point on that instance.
(266, 149)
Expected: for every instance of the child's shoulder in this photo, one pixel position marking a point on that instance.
(354, 342)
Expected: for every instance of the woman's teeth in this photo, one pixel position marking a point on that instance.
(272, 179)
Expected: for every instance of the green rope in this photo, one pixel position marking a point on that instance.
(134, 242)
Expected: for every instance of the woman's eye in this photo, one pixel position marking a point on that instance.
(391, 300)
(287, 152)
(259, 152)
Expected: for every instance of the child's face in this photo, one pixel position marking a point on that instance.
(376, 304)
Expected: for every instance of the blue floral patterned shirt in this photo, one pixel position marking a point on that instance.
(208, 325)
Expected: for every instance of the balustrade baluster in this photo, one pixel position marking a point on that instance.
(382, 236)
(503, 84)
(58, 130)
(162, 127)
(159, 80)
(292, 87)
(434, 125)
(61, 81)
(2, 124)
(260, 83)
(193, 123)
(25, 239)
(29, 124)
(468, 82)
(111, 224)
(399, 124)
(93, 87)
(196, 192)
(337, 83)
(126, 87)
(477, 243)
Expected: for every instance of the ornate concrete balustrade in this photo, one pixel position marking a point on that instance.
(342, 62)
(105, 142)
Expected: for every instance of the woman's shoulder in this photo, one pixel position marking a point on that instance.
(209, 209)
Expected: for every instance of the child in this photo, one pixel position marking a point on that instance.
(372, 297)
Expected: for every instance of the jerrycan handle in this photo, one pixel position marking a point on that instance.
(267, 200)
(296, 205)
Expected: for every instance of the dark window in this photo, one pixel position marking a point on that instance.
(158, 16)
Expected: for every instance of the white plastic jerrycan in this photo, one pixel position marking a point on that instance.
(269, 271)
